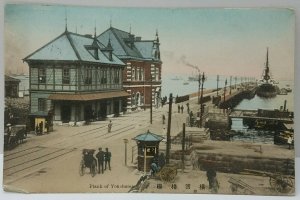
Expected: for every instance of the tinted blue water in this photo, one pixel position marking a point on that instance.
(260, 136)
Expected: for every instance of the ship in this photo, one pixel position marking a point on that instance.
(267, 87)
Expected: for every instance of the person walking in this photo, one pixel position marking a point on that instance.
(178, 108)
(188, 107)
(163, 119)
(107, 157)
(100, 157)
(109, 126)
(182, 109)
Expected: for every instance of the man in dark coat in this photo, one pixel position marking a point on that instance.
(100, 157)
(107, 158)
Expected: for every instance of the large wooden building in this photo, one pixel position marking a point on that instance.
(142, 74)
(77, 78)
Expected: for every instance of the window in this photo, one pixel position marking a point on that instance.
(66, 76)
(88, 77)
(103, 77)
(42, 75)
(133, 74)
(117, 76)
(142, 74)
(42, 104)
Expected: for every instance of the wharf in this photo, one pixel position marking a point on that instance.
(254, 114)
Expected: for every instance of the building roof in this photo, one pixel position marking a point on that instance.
(87, 96)
(73, 47)
(148, 137)
(11, 79)
(127, 46)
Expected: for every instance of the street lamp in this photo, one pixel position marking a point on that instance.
(125, 142)
(199, 81)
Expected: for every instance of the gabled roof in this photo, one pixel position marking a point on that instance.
(120, 42)
(72, 47)
(148, 137)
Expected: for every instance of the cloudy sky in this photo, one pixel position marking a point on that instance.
(218, 41)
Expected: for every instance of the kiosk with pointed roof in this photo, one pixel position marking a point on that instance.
(148, 148)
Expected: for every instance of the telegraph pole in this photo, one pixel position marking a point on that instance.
(169, 130)
(217, 85)
(199, 81)
(183, 145)
(201, 100)
(225, 89)
(230, 85)
(151, 98)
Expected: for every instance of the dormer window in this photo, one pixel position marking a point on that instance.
(93, 50)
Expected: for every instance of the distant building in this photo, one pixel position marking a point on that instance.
(142, 59)
(77, 78)
(11, 86)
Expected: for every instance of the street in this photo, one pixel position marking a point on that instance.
(50, 163)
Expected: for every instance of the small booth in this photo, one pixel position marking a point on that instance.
(148, 148)
(41, 122)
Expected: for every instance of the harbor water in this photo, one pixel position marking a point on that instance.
(179, 85)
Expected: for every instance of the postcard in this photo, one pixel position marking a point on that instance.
(149, 100)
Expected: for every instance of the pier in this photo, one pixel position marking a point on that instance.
(273, 115)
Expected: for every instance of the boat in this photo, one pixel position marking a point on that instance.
(175, 78)
(185, 83)
(266, 86)
(193, 78)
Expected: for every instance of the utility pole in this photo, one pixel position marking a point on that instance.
(235, 82)
(169, 130)
(217, 85)
(225, 89)
(183, 145)
(199, 81)
(230, 85)
(150, 97)
(201, 100)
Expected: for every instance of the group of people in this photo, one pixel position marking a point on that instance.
(103, 160)
(181, 108)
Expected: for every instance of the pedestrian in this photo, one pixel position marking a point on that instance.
(182, 109)
(109, 126)
(163, 119)
(188, 107)
(212, 180)
(41, 126)
(178, 108)
(107, 157)
(100, 157)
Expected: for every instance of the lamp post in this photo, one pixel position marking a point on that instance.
(125, 142)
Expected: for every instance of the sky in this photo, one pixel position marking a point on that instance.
(217, 41)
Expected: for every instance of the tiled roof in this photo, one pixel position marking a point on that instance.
(149, 137)
(87, 96)
(120, 41)
(72, 47)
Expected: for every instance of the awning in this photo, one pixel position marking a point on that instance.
(88, 96)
